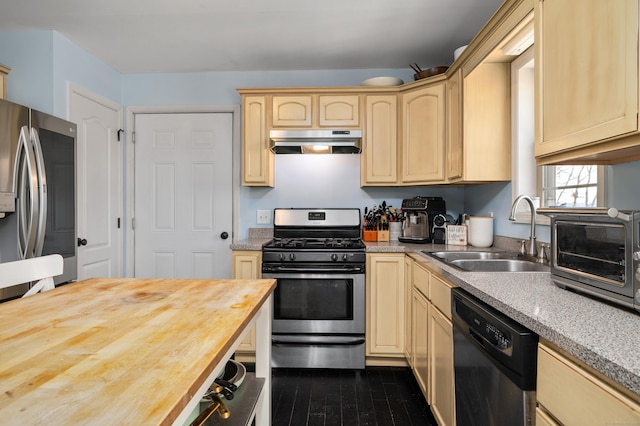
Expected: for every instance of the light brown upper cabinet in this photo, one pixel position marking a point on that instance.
(478, 125)
(338, 111)
(454, 126)
(379, 158)
(291, 111)
(422, 150)
(315, 111)
(4, 71)
(257, 159)
(586, 81)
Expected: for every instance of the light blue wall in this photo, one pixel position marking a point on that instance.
(73, 64)
(29, 54)
(43, 62)
(623, 192)
(330, 181)
(219, 88)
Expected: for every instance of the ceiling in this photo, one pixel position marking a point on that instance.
(145, 36)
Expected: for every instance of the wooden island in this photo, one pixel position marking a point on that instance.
(127, 351)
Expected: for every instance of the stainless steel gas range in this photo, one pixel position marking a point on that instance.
(318, 259)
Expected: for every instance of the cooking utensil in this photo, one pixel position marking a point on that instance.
(415, 68)
(429, 72)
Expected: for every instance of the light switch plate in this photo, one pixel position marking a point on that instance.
(264, 217)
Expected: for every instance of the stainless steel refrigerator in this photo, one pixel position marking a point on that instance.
(37, 188)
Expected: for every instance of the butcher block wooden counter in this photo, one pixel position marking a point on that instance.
(126, 351)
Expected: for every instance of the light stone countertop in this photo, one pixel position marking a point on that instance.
(600, 335)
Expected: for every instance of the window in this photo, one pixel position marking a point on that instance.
(562, 186)
(570, 186)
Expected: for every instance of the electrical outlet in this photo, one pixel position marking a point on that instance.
(264, 217)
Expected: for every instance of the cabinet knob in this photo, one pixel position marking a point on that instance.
(82, 242)
(224, 235)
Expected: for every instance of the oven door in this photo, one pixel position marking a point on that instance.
(318, 303)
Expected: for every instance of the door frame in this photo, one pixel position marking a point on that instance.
(129, 202)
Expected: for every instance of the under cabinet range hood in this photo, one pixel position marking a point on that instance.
(315, 141)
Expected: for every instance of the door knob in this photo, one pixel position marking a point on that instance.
(224, 235)
(82, 242)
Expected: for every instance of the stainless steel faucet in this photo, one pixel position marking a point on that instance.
(533, 250)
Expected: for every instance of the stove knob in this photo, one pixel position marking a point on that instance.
(334, 257)
(282, 257)
(292, 257)
(345, 257)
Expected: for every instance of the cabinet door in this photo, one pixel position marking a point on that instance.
(247, 265)
(423, 135)
(486, 134)
(339, 111)
(586, 72)
(408, 295)
(292, 111)
(440, 351)
(454, 126)
(379, 160)
(576, 397)
(3, 81)
(385, 304)
(257, 159)
(419, 341)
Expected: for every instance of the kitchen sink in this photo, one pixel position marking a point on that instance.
(448, 256)
(499, 265)
(487, 261)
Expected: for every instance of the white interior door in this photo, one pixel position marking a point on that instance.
(99, 174)
(183, 195)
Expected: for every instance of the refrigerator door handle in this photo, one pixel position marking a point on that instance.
(42, 193)
(26, 189)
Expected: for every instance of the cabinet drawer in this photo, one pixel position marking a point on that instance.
(440, 295)
(420, 279)
(575, 397)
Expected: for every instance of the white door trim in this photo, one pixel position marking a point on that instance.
(129, 213)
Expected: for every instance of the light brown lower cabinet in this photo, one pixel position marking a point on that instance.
(247, 265)
(432, 340)
(568, 395)
(441, 362)
(420, 342)
(385, 306)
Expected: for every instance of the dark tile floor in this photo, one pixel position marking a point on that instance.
(382, 396)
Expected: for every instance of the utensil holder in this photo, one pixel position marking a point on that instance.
(383, 235)
(369, 235)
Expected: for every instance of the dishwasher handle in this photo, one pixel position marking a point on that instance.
(505, 348)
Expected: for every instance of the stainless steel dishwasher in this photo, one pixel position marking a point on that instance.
(495, 361)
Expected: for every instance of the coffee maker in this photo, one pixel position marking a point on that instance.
(418, 223)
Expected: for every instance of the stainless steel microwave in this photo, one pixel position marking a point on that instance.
(596, 251)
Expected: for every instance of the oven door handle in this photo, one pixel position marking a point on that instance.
(317, 340)
(315, 271)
